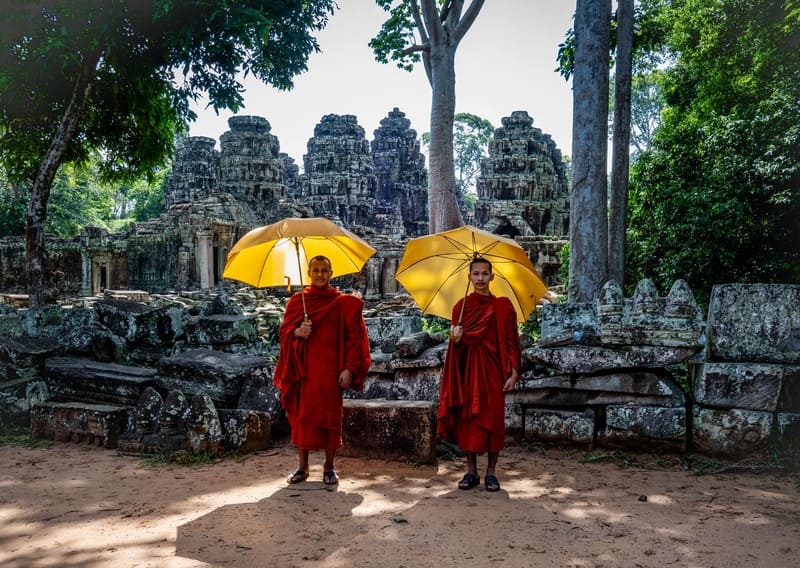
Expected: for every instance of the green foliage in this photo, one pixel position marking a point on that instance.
(563, 269)
(396, 34)
(435, 324)
(180, 457)
(146, 62)
(717, 196)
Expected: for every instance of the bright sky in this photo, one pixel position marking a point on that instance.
(505, 63)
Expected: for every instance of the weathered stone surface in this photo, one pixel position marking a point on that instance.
(260, 393)
(149, 410)
(385, 331)
(522, 188)
(402, 180)
(650, 427)
(203, 428)
(640, 387)
(789, 399)
(220, 329)
(406, 384)
(413, 345)
(70, 378)
(220, 375)
(757, 323)
(564, 426)
(174, 415)
(389, 429)
(17, 397)
(10, 324)
(561, 322)
(26, 351)
(590, 359)
(140, 323)
(98, 424)
(244, 431)
(734, 433)
(751, 386)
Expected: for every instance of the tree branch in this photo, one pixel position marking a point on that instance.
(467, 20)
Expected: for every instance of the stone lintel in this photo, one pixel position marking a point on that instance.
(96, 424)
(590, 359)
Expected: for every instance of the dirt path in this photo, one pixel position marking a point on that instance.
(71, 506)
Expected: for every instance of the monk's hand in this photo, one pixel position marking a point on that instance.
(345, 379)
(456, 333)
(512, 379)
(304, 330)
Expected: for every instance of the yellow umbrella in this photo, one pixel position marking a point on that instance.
(435, 268)
(278, 254)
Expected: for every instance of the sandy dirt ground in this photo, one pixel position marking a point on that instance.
(70, 505)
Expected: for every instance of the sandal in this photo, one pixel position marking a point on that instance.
(492, 484)
(469, 481)
(329, 477)
(297, 476)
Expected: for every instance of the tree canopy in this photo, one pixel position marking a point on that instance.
(118, 76)
(716, 197)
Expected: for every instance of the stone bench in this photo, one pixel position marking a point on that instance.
(389, 429)
(96, 424)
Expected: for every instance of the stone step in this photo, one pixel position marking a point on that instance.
(389, 429)
(91, 381)
(79, 422)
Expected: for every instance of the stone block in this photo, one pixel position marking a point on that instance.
(560, 426)
(92, 381)
(387, 330)
(751, 386)
(389, 429)
(221, 329)
(17, 397)
(244, 431)
(220, 375)
(643, 387)
(561, 321)
(789, 399)
(733, 433)
(650, 427)
(28, 351)
(587, 359)
(97, 424)
(757, 323)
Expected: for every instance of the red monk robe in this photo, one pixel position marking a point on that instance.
(471, 398)
(308, 369)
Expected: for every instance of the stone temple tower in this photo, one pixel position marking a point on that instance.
(338, 181)
(251, 168)
(401, 173)
(522, 189)
(194, 171)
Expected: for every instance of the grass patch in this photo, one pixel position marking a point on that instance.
(700, 464)
(180, 457)
(617, 456)
(23, 439)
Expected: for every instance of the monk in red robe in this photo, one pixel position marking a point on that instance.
(482, 363)
(324, 350)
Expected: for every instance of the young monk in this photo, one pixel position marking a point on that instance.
(323, 351)
(481, 364)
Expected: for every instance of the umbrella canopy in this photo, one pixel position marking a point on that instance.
(435, 270)
(278, 254)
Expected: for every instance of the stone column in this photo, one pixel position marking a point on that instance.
(86, 274)
(205, 264)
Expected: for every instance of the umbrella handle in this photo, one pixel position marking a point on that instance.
(463, 303)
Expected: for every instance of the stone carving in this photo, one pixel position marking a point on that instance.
(522, 189)
(402, 179)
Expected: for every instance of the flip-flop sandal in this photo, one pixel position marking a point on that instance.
(299, 475)
(469, 481)
(492, 484)
(330, 478)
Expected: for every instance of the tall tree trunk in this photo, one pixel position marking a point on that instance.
(588, 217)
(443, 209)
(620, 144)
(43, 182)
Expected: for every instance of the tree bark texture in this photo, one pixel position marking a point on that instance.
(620, 144)
(443, 32)
(43, 182)
(588, 213)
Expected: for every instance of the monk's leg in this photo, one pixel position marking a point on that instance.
(472, 463)
(302, 459)
(330, 455)
(492, 462)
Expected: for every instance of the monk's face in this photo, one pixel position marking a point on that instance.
(480, 275)
(319, 272)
